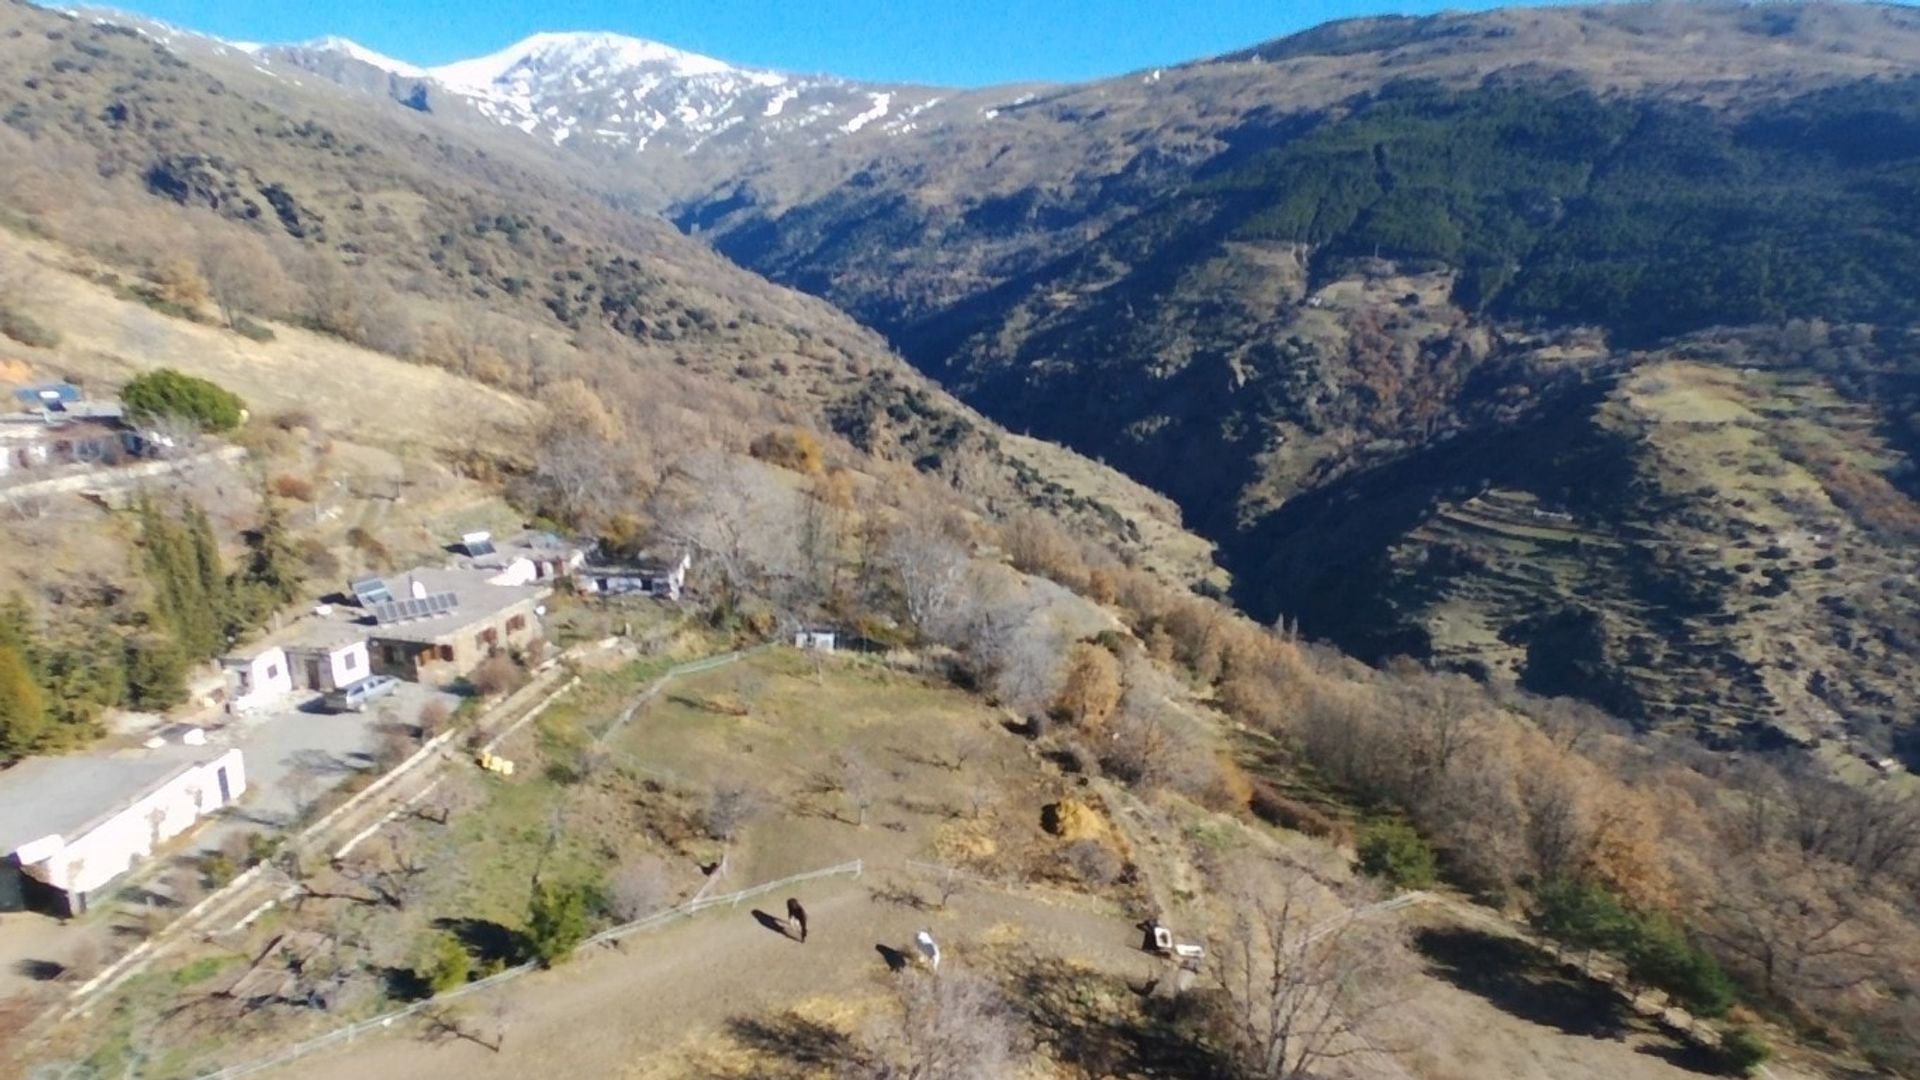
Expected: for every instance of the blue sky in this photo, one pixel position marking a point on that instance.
(944, 42)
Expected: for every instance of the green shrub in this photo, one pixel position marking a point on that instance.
(1393, 852)
(1743, 1051)
(218, 868)
(1658, 951)
(444, 965)
(1582, 915)
(261, 847)
(556, 922)
(26, 331)
(1662, 955)
(166, 393)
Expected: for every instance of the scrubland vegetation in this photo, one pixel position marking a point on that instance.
(1076, 728)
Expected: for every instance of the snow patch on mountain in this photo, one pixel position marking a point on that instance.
(881, 102)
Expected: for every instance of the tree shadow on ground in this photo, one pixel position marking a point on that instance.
(1109, 1028)
(488, 941)
(40, 970)
(790, 1046)
(1686, 1055)
(404, 984)
(1522, 981)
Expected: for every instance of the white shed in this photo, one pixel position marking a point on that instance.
(817, 638)
(70, 825)
(257, 677)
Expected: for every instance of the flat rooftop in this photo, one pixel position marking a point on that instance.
(70, 795)
(343, 624)
(479, 600)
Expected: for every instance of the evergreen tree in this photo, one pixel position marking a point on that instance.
(556, 921)
(191, 594)
(210, 577)
(17, 626)
(1583, 915)
(273, 563)
(23, 720)
(156, 672)
(84, 674)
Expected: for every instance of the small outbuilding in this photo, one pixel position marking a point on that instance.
(816, 638)
(69, 826)
(642, 577)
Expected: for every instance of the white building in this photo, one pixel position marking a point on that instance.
(818, 638)
(665, 580)
(257, 676)
(320, 652)
(70, 825)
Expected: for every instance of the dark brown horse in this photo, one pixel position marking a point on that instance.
(797, 916)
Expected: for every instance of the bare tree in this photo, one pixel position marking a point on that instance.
(1305, 985)
(444, 801)
(859, 782)
(737, 517)
(934, 573)
(392, 874)
(963, 746)
(242, 276)
(1801, 927)
(955, 1025)
(639, 887)
(730, 808)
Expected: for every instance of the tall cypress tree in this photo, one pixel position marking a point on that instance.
(209, 577)
(272, 562)
(181, 561)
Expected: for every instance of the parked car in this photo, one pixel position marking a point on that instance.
(357, 696)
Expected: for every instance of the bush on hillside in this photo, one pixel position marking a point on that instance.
(556, 922)
(164, 394)
(26, 331)
(1743, 1051)
(1393, 852)
(445, 965)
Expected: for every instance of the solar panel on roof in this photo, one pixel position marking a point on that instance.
(370, 591)
(408, 608)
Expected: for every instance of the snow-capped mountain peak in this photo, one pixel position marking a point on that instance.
(355, 51)
(626, 94)
(596, 54)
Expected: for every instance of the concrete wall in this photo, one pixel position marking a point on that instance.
(88, 862)
(269, 677)
(350, 664)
